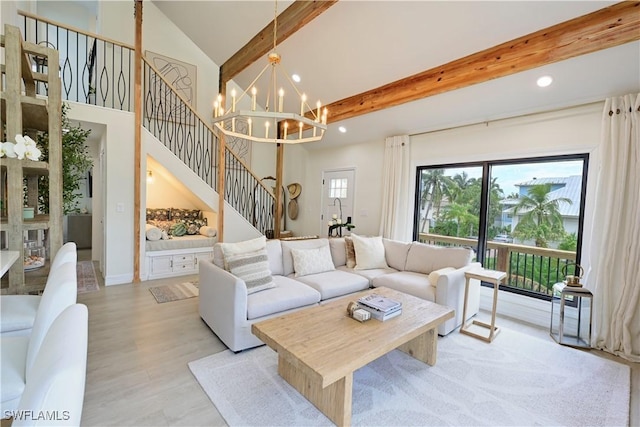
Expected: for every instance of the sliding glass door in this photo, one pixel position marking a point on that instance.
(521, 216)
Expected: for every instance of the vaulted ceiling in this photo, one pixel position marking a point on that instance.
(350, 53)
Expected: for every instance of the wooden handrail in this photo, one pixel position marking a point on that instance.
(75, 29)
(511, 247)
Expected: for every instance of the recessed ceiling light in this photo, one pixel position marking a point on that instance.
(544, 81)
(342, 129)
(296, 78)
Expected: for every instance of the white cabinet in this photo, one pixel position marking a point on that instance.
(176, 263)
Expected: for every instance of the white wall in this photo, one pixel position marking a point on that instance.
(118, 183)
(569, 131)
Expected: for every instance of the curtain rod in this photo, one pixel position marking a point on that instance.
(487, 122)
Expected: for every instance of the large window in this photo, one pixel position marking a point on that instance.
(520, 216)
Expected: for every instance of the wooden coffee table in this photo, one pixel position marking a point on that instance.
(319, 348)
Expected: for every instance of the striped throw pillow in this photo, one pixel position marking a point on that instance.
(253, 268)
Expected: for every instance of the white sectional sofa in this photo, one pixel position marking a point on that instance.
(429, 272)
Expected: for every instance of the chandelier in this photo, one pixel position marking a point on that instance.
(270, 123)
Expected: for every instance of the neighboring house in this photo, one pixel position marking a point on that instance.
(563, 187)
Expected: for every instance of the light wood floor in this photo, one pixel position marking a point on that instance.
(137, 372)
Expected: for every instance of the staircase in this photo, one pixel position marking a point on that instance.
(98, 71)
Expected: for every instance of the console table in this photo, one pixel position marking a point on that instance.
(491, 276)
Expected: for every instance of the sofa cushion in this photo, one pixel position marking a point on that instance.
(423, 258)
(274, 252)
(350, 261)
(286, 295)
(435, 275)
(395, 253)
(411, 283)
(335, 283)
(312, 261)
(218, 256)
(14, 361)
(253, 268)
(287, 245)
(338, 251)
(369, 252)
(370, 274)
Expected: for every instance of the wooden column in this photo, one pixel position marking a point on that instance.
(13, 84)
(54, 111)
(221, 172)
(137, 106)
(279, 202)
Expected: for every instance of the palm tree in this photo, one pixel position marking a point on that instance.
(541, 219)
(433, 188)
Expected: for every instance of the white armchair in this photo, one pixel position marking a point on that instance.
(18, 353)
(57, 379)
(18, 312)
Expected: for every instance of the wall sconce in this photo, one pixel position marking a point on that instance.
(149, 177)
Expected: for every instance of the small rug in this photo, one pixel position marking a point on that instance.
(175, 292)
(516, 380)
(87, 281)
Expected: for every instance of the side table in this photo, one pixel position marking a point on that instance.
(491, 276)
(571, 315)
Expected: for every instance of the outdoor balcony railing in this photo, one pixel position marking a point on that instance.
(530, 270)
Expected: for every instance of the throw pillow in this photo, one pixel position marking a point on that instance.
(312, 261)
(178, 229)
(152, 232)
(369, 252)
(253, 268)
(351, 253)
(231, 249)
(207, 231)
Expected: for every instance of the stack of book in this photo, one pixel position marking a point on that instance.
(380, 307)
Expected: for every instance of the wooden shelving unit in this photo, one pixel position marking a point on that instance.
(24, 113)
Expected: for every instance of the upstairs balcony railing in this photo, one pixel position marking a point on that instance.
(99, 71)
(93, 69)
(530, 270)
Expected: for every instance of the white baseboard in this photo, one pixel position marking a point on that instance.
(119, 279)
(519, 307)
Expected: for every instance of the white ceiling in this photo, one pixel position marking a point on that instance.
(359, 45)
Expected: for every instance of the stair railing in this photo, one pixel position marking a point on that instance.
(99, 71)
(170, 118)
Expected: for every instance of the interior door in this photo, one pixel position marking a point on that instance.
(338, 188)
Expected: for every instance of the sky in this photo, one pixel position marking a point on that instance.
(509, 175)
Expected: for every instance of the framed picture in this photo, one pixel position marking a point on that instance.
(181, 76)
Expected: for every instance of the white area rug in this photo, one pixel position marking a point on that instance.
(514, 381)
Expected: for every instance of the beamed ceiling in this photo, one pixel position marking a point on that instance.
(393, 67)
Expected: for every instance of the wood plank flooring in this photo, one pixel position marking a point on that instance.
(137, 372)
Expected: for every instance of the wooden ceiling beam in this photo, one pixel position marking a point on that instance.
(602, 29)
(293, 18)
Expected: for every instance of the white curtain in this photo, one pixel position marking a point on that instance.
(614, 252)
(396, 213)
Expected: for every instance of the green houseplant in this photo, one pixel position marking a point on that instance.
(75, 164)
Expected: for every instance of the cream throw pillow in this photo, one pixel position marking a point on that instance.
(253, 268)
(312, 261)
(231, 249)
(369, 252)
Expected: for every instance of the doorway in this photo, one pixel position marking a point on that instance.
(338, 188)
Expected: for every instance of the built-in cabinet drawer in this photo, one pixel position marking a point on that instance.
(165, 264)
